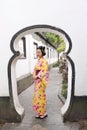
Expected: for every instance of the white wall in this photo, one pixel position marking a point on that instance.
(23, 66)
(70, 15)
(26, 66)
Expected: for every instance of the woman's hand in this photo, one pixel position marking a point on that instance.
(35, 77)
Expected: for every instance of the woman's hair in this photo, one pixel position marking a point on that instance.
(42, 48)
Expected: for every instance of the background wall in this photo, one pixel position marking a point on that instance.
(26, 66)
(70, 15)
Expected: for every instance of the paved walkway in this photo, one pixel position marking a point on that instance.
(54, 119)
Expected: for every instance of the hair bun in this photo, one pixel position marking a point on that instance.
(43, 48)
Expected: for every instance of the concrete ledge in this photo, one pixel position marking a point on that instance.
(78, 109)
(24, 82)
(8, 112)
(62, 99)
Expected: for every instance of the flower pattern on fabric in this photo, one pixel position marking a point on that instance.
(39, 99)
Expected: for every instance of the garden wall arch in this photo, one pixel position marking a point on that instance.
(16, 108)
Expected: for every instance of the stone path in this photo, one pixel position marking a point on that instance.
(54, 120)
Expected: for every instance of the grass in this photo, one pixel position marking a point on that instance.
(64, 89)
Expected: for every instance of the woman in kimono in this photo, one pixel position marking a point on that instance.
(40, 75)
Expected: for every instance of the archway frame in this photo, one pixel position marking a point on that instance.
(16, 55)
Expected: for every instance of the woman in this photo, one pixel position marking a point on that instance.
(40, 75)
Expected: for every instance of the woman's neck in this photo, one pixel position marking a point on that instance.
(40, 57)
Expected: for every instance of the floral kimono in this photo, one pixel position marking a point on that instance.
(41, 82)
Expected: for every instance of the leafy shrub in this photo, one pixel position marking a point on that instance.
(64, 89)
(56, 64)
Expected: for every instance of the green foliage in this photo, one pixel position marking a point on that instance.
(64, 89)
(57, 41)
(56, 64)
(61, 47)
(53, 38)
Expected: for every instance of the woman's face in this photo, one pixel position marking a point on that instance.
(39, 53)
